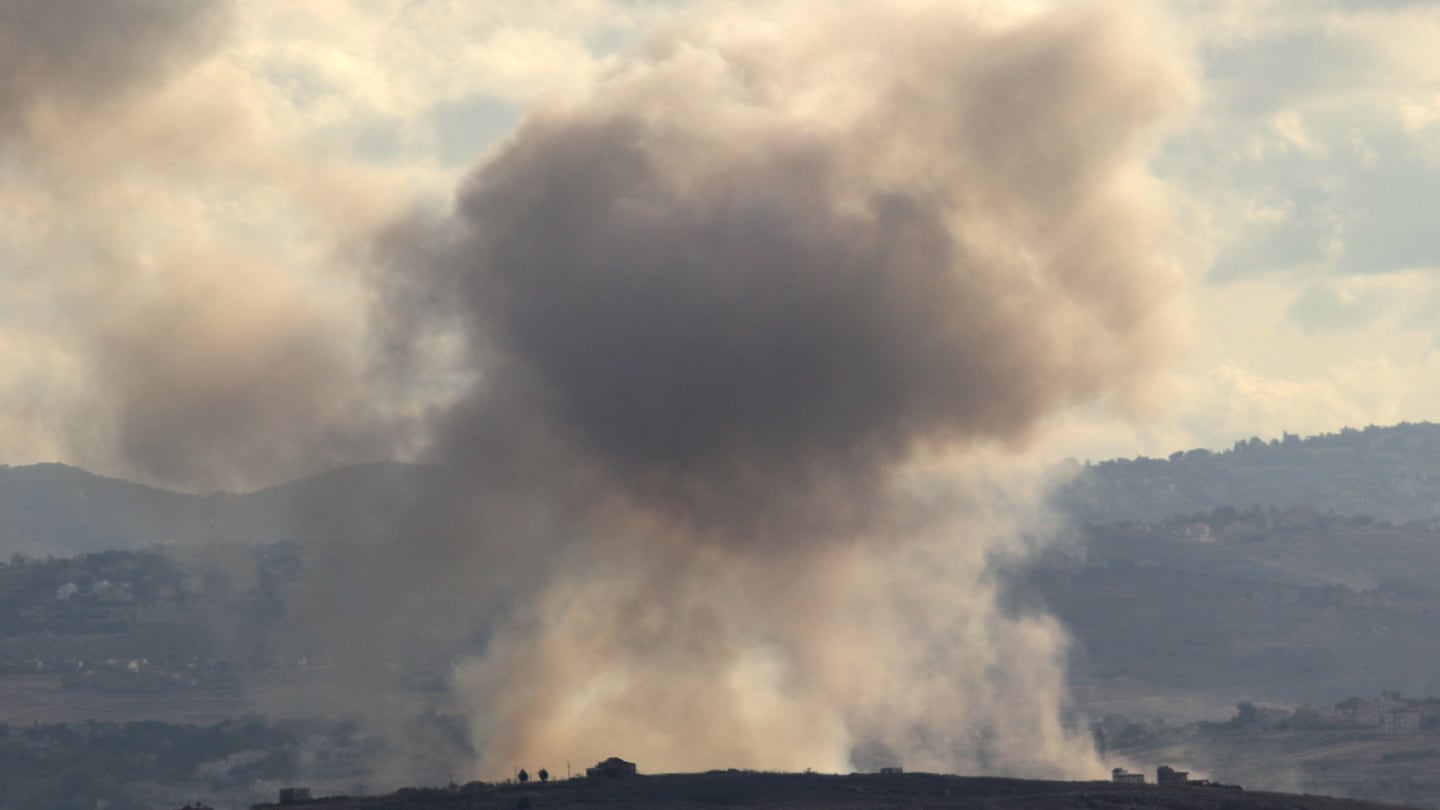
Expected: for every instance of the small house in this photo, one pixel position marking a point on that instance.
(612, 768)
(1125, 777)
(1166, 775)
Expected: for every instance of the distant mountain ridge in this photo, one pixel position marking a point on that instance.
(1390, 473)
(813, 791)
(1180, 591)
(57, 509)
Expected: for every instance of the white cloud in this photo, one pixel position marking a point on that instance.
(1320, 113)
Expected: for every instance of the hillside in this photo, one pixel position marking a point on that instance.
(1257, 605)
(1389, 473)
(1382, 748)
(59, 510)
(1270, 583)
(831, 792)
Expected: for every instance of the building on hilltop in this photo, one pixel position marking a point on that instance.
(294, 795)
(612, 768)
(1401, 721)
(1125, 777)
(1166, 775)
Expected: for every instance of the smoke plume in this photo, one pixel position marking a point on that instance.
(60, 54)
(721, 362)
(156, 332)
(751, 321)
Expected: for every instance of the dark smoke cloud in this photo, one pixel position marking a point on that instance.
(743, 321)
(75, 52)
(196, 355)
(731, 339)
(209, 374)
(746, 314)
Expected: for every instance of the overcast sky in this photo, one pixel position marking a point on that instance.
(192, 192)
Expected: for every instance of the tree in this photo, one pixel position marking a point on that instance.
(544, 775)
(523, 776)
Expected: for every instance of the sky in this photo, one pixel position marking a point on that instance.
(196, 196)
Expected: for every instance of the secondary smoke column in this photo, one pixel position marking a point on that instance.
(752, 322)
(59, 54)
(178, 309)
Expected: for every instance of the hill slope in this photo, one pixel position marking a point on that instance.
(1391, 473)
(59, 510)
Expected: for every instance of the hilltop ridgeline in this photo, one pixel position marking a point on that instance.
(832, 792)
(60, 510)
(1390, 473)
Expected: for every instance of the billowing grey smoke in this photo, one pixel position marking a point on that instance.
(751, 326)
(75, 52)
(748, 317)
(174, 345)
(741, 282)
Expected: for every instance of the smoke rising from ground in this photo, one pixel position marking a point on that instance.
(741, 338)
(799, 253)
(751, 321)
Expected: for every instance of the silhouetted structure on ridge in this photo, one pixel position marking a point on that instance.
(612, 768)
(1166, 775)
(294, 795)
(1125, 777)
